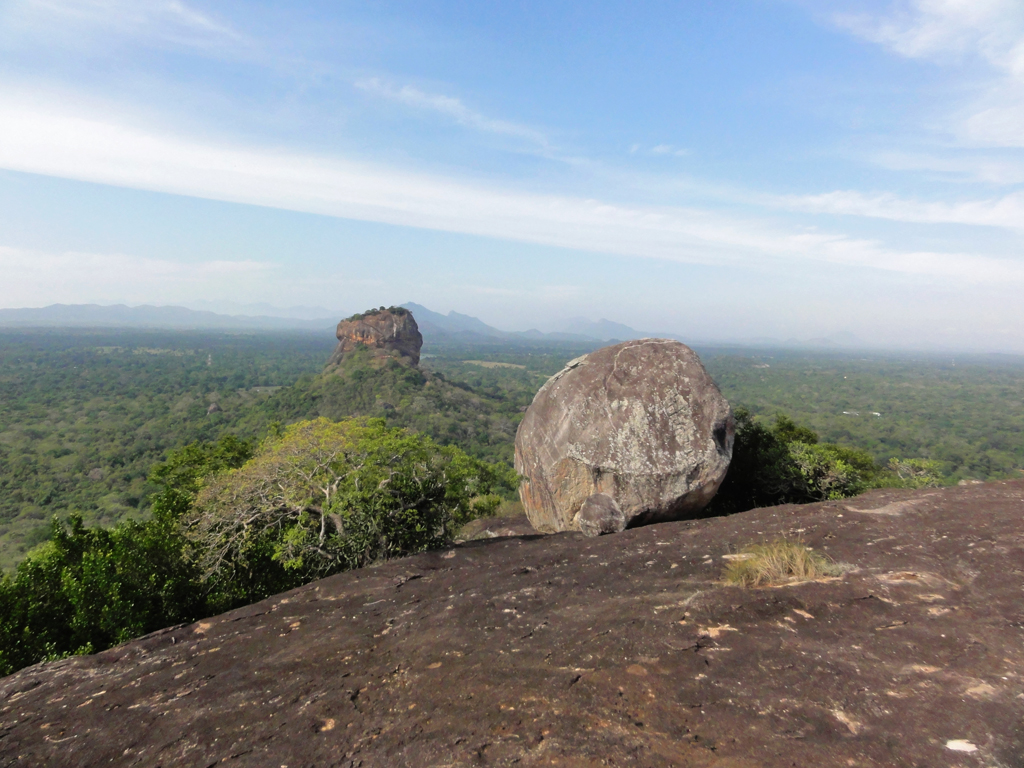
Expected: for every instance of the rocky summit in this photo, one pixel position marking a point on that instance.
(562, 650)
(386, 333)
(631, 434)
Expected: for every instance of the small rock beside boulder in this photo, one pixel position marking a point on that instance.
(631, 434)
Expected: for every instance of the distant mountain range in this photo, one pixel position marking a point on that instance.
(121, 316)
(465, 328)
(434, 326)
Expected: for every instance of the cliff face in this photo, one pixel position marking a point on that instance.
(567, 651)
(387, 333)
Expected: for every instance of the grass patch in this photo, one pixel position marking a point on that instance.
(778, 562)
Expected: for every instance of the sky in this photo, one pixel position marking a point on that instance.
(718, 170)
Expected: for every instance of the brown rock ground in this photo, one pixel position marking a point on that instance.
(565, 651)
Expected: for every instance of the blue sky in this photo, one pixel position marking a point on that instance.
(717, 170)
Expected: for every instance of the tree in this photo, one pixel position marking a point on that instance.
(785, 464)
(917, 473)
(327, 496)
(761, 473)
(90, 588)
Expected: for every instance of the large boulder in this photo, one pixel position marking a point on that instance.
(631, 434)
(388, 333)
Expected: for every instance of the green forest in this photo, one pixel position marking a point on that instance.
(152, 478)
(84, 415)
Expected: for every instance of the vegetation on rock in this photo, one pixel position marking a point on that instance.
(398, 311)
(112, 433)
(785, 463)
(328, 496)
(232, 524)
(777, 562)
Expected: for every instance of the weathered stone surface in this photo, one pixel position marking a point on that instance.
(600, 514)
(540, 651)
(386, 332)
(640, 422)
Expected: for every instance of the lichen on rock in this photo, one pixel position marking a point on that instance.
(631, 434)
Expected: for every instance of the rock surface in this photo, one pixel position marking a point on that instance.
(388, 333)
(640, 423)
(535, 650)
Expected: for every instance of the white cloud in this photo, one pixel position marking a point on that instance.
(452, 108)
(668, 149)
(32, 278)
(52, 140)
(951, 31)
(1006, 211)
(1003, 171)
(168, 22)
(944, 29)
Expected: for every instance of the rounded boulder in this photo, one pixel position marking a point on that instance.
(628, 435)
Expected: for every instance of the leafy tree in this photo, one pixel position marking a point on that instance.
(785, 464)
(90, 588)
(825, 472)
(761, 473)
(327, 496)
(917, 473)
(181, 476)
(231, 525)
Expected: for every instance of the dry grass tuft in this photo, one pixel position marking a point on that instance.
(778, 562)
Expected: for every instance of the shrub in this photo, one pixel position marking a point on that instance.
(828, 471)
(786, 464)
(778, 562)
(90, 588)
(327, 496)
(761, 473)
(917, 473)
(232, 525)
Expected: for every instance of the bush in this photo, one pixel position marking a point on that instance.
(785, 464)
(761, 473)
(232, 525)
(916, 473)
(90, 588)
(778, 562)
(328, 496)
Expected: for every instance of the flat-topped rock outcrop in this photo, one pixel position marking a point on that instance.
(534, 650)
(387, 333)
(631, 434)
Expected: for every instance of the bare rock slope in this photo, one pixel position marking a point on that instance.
(564, 651)
(631, 434)
(387, 333)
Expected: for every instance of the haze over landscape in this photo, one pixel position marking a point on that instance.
(780, 169)
(485, 384)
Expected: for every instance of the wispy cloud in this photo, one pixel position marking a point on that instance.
(659, 149)
(452, 108)
(1004, 212)
(34, 278)
(168, 22)
(951, 31)
(50, 139)
(945, 29)
(1001, 170)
